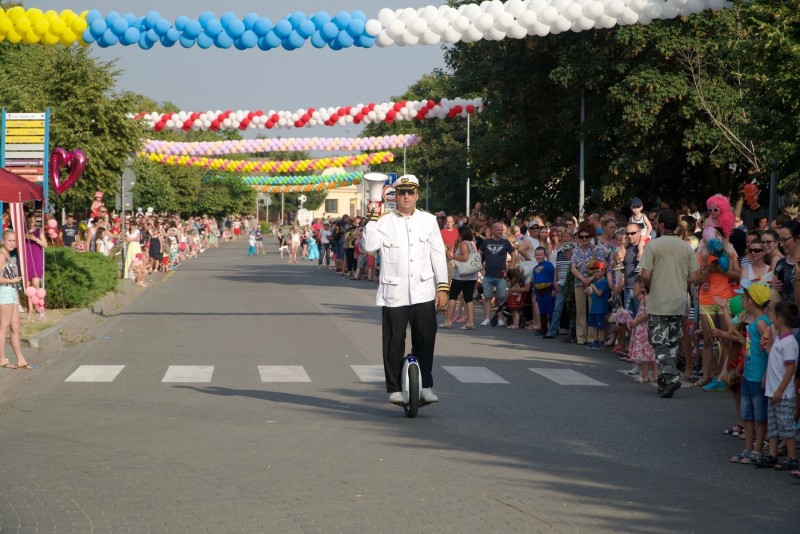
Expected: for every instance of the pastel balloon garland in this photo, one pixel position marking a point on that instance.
(388, 112)
(304, 165)
(290, 144)
(302, 180)
(327, 183)
(431, 25)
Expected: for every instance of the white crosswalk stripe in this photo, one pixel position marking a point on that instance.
(369, 373)
(567, 377)
(283, 373)
(474, 375)
(188, 373)
(95, 373)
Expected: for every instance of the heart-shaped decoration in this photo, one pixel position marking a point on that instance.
(74, 162)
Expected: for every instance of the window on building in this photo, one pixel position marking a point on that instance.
(332, 205)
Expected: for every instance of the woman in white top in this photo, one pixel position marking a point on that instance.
(294, 233)
(132, 246)
(757, 270)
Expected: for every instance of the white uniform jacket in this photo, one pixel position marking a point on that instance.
(413, 261)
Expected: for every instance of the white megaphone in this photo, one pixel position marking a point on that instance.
(375, 182)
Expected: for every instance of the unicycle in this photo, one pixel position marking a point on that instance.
(411, 381)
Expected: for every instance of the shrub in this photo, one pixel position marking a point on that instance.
(265, 226)
(77, 279)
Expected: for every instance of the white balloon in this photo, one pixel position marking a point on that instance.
(493, 8)
(472, 12)
(372, 116)
(606, 22)
(341, 121)
(572, 12)
(527, 18)
(382, 116)
(439, 25)
(669, 11)
(680, 3)
(461, 24)
(409, 39)
(562, 24)
(638, 5)
(451, 35)
(408, 15)
(539, 29)
(430, 38)
(418, 26)
(644, 19)
(515, 7)
(583, 24)
(373, 27)
(429, 13)
(504, 21)
(484, 22)
(383, 40)
(695, 6)
(653, 11)
(615, 8)
(548, 15)
(473, 34)
(560, 5)
(537, 5)
(395, 29)
(493, 34)
(517, 31)
(385, 16)
(594, 10)
(628, 17)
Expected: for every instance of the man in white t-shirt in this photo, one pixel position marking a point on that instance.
(325, 241)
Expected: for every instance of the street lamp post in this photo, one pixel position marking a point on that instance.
(582, 161)
(468, 202)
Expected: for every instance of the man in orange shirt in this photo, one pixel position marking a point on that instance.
(449, 236)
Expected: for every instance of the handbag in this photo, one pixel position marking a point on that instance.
(471, 266)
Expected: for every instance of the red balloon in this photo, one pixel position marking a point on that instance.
(305, 117)
(397, 106)
(431, 104)
(390, 114)
(311, 111)
(259, 113)
(298, 124)
(371, 106)
(159, 126)
(470, 108)
(275, 117)
(215, 124)
(457, 109)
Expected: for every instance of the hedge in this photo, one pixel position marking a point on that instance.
(77, 279)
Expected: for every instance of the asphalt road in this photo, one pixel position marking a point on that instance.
(228, 399)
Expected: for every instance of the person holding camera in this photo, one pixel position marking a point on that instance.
(10, 281)
(413, 284)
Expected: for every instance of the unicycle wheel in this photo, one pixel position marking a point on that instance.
(414, 378)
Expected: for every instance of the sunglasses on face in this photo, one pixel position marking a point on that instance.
(632, 233)
(584, 237)
(713, 210)
(756, 250)
(401, 192)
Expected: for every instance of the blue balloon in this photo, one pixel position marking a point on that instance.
(250, 20)
(287, 45)
(111, 16)
(206, 17)
(295, 40)
(724, 263)
(365, 41)
(356, 27)
(320, 19)
(296, 18)
(131, 36)
(248, 39)
(223, 40)
(92, 16)
(171, 35)
(98, 28)
(162, 27)
(283, 28)
(153, 36)
(204, 41)
(264, 45)
(358, 15)
(144, 42)
(329, 31)
(344, 40)
(109, 38)
(306, 29)
(87, 36)
(342, 19)
(235, 28)
(119, 26)
(273, 40)
(318, 41)
(186, 42)
(262, 26)
(335, 45)
(130, 18)
(213, 28)
(166, 42)
(227, 18)
(152, 18)
(180, 22)
(192, 29)
(139, 24)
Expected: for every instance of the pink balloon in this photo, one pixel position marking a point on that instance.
(74, 161)
(52, 223)
(709, 233)
(41, 293)
(30, 291)
(34, 300)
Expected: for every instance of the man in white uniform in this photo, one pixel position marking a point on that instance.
(413, 283)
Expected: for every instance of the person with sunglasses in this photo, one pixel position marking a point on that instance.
(413, 284)
(583, 253)
(784, 280)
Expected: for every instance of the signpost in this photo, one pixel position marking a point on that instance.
(25, 146)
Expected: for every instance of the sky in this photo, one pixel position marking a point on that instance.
(198, 80)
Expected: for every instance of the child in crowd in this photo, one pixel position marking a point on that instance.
(755, 300)
(645, 227)
(283, 246)
(251, 243)
(598, 304)
(543, 277)
(640, 350)
(518, 289)
(779, 388)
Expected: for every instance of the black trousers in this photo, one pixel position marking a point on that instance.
(422, 318)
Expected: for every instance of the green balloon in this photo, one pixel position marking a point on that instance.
(736, 305)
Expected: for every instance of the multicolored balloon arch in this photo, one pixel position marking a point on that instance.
(306, 165)
(432, 25)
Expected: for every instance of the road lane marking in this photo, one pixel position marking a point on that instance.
(369, 373)
(474, 375)
(188, 373)
(567, 377)
(283, 373)
(95, 373)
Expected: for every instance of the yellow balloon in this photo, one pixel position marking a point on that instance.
(30, 37)
(34, 14)
(68, 37)
(22, 25)
(5, 25)
(15, 12)
(41, 26)
(58, 26)
(68, 16)
(13, 36)
(79, 25)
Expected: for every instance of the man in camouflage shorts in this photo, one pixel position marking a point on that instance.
(668, 266)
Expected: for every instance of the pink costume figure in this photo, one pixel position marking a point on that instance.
(98, 201)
